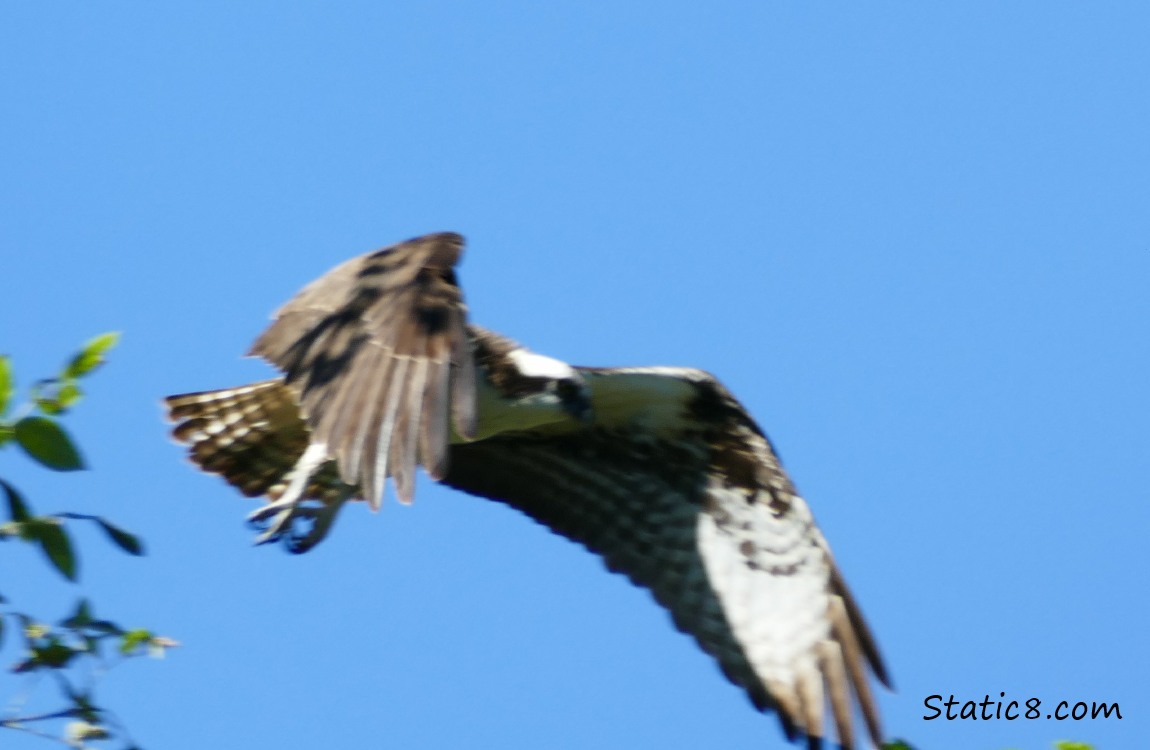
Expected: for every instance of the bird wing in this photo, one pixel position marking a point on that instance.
(692, 504)
(378, 351)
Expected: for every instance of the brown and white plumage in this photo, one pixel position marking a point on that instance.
(659, 470)
(377, 349)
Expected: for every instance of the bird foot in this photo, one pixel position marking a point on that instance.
(299, 524)
(277, 519)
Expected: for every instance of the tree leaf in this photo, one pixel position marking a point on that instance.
(107, 627)
(91, 356)
(81, 617)
(49, 406)
(55, 543)
(68, 394)
(134, 638)
(47, 442)
(17, 508)
(126, 541)
(54, 655)
(6, 384)
(55, 396)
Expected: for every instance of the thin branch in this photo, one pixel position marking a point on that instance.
(14, 723)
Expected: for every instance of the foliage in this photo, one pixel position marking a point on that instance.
(78, 648)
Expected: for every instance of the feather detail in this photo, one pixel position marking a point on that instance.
(391, 322)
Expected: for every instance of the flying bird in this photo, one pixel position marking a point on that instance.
(657, 469)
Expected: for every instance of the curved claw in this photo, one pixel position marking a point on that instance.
(278, 521)
(274, 520)
(322, 519)
(290, 504)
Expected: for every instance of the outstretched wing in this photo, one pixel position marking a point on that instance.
(704, 517)
(378, 351)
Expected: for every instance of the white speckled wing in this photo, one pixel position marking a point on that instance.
(749, 578)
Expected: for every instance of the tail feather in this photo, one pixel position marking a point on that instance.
(252, 436)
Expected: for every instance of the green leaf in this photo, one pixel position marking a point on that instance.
(81, 617)
(6, 432)
(126, 541)
(49, 406)
(68, 394)
(91, 356)
(55, 543)
(54, 655)
(17, 508)
(6, 385)
(107, 627)
(48, 443)
(134, 638)
(53, 396)
(130, 543)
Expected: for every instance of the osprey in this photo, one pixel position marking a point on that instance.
(658, 469)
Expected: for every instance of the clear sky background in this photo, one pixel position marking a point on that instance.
(913, 238)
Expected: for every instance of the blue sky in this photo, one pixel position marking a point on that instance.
(912, 238)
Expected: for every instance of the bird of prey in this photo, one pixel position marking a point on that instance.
(658, 469)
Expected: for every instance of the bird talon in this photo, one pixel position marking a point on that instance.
(277, 522)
